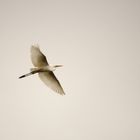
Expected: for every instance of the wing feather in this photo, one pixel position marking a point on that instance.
(37, 57)
(51, 81)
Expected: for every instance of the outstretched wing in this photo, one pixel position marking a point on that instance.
(51, 81)
(37, 57)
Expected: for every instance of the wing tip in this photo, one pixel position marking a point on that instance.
(61, 92)
(35, 46)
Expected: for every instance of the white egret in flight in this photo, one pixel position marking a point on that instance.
(44, 70)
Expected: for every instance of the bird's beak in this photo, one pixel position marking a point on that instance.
(58, 65)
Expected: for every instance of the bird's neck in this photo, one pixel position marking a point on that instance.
(50, 68)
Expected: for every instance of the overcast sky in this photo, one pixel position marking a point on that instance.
(98, 42)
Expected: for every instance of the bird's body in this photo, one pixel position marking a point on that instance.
(44, 70)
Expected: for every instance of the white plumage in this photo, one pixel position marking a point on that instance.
(44, 70)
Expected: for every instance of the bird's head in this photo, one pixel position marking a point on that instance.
(53, 68)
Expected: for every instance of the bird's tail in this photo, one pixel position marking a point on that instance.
(25, 75)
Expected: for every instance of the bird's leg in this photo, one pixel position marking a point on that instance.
(33, 71)
(28, 74)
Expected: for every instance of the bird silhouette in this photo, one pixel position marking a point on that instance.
(44, 70)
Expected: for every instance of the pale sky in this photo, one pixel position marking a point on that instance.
(98, 42)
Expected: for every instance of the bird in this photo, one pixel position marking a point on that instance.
(44, 70)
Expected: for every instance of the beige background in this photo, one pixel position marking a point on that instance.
(98, 42)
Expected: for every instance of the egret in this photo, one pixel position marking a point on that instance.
(44, 70)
